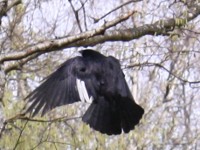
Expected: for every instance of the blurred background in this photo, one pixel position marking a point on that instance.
(158, 48)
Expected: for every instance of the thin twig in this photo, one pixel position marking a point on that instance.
(22, 117)
(164, 68)
(17, 143)
(76, 15)
(118, 7)
(3, 129)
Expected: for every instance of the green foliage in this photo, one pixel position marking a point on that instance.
(61, 134)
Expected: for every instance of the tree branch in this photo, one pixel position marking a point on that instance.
(22, 117)
(65, 42)
(27, 119)
(76, 15)
(6, 7)
(20, 135)
(93, 37)
(118, 7)
(149, 64)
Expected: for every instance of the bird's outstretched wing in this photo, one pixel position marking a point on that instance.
(60, 87)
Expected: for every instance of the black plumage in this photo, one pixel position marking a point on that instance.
(90, 77)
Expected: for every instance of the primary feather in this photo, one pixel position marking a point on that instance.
(92, 77)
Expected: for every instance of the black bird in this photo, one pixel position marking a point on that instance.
(90, 77)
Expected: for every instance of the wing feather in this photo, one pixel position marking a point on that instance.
(60, 87)
(101, 81)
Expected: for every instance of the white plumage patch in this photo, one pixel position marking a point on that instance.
(82, 91)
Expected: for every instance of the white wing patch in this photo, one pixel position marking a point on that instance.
(82, 91)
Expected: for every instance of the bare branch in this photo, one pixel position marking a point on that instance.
(118, 7)
(93, 37)
(58, 44)
(22, 117)
(7, 8)
(17, 142)
(3, 129)
(76, 15)
(149, 64)
(19, 64)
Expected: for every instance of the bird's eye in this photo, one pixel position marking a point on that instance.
(82, 69)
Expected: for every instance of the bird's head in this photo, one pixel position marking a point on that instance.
(91, 53)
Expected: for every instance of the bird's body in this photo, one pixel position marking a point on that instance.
(94, 78)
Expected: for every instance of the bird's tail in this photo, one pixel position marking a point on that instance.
(130, 113)
(111, 117)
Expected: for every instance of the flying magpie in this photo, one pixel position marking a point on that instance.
(93, 78)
